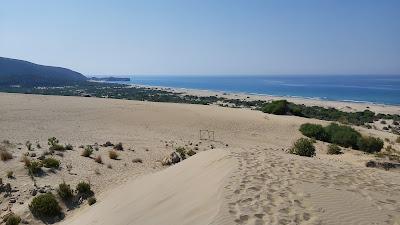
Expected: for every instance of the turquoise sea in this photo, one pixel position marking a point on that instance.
(384, 89)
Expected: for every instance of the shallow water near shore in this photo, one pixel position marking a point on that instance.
(381, 89)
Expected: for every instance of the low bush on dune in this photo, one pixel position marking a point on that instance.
(92, 200)
(191, 152)
(370, 144)
(34, 167)
(279, 107)
(343, 136)
(303, 147)
(51, 163)
(69, 147)
(88, 151)
(181, 151)
(314, 131)
(5, 155)
(64, 191)
(398, 139)
(334, 150)
(11, 219)
(10, 174)
(54, 144)
(84, 189)
(45, 205)
(113, 154)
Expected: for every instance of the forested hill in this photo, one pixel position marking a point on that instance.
(24, 73)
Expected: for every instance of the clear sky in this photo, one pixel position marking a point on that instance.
(205, 36)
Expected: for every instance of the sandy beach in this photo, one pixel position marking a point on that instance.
(244, 176)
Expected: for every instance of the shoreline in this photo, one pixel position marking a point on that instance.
(344, 105)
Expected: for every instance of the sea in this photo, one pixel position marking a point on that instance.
(378, 89)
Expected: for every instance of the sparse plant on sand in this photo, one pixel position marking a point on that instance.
(303, 147)
(334, 150)
(54, 144)
(398, 139)
(28, 145)
(69, 147)
(98, 159)
(181, 151)
(113, 154)
(51, 163)
(34, 168)
(11, 219)
(10, 174)
(191, 152)
(64, 191)
(84, 189)
(92, 200)
(88, 151)
(5, 155)
(370, 144)
(45, 205)
(109, 166)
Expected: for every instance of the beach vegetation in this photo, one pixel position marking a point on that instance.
(51, 163)
(10, 174)
(5, 155)
(303, 147)
(45, 205)
(64, 191)
(314, 131)
(334, 150)
(87, 151)
(34, 167)
(370, 144)
(84, 189)
(181, 151)
(113, 154)
(11, 219)
(92, 200)
(191, 152)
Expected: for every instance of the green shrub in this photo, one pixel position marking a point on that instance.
(34, 167)
(398, 139)
(181, 151)
(28, 145)
(83, 188)
(51, 163)
(279, 107)
(64, 191)
(303, 147)
(314, 131)
(341, 135)
(92, 200)
(191, 152)
(370, 144)
(45, 205)
(88, 151)
(334, 149)
(54, 146)
(11, 219)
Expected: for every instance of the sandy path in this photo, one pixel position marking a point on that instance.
(187, 193)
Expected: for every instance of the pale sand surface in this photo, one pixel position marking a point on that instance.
(254, 181)
(163, 197)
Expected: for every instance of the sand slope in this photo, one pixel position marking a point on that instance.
(187, 193)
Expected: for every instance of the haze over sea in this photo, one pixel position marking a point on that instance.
(381, 89)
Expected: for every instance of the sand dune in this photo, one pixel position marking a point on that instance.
(187, 193)
(250, 179)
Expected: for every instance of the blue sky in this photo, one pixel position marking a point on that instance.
(205, 36)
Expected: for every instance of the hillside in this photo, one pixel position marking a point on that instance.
(24, 73)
